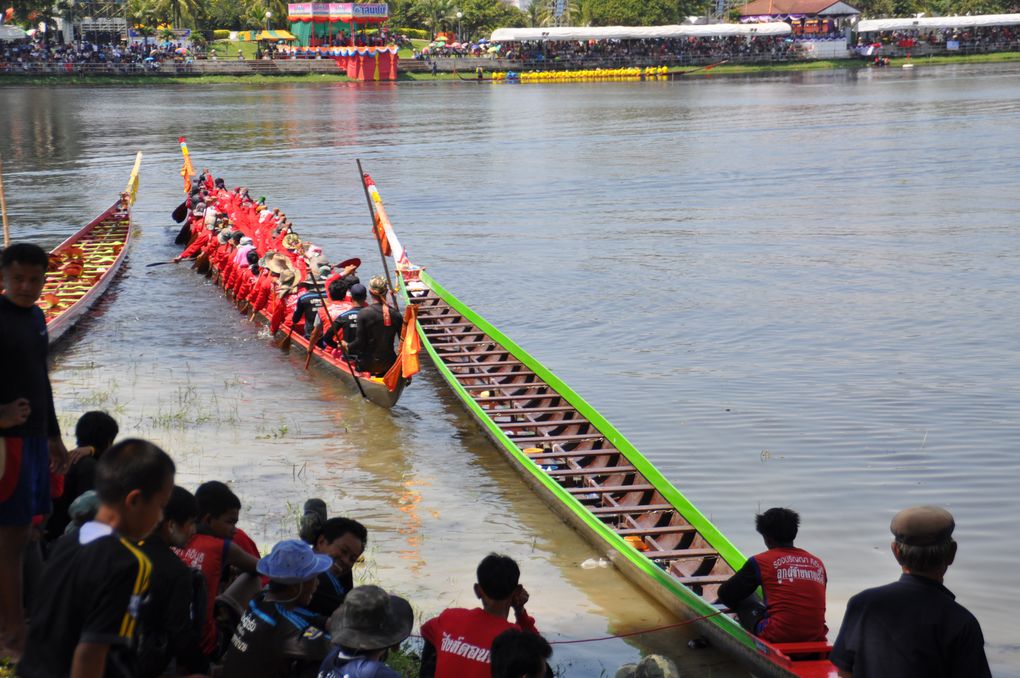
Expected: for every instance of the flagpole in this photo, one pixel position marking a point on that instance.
(3, 206)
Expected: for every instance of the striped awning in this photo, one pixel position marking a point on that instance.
(272, 36)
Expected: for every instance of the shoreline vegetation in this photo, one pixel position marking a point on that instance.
(314, 78)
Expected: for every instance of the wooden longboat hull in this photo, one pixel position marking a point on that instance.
(375, 390)
(588, 472)
(101, 246)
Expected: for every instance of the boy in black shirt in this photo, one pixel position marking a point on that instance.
(84, 619)
(94, 434)
(29, 433)
(169, 628)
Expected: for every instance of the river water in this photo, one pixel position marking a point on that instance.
(797, 290)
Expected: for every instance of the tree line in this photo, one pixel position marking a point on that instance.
(473, 19)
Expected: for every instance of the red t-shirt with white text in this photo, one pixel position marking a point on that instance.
(463, 639)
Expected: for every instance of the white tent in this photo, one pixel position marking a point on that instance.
(931, 23)
(11, 33)
(636, 32)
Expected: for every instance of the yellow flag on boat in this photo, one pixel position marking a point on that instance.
(407, 364)
(188, 170)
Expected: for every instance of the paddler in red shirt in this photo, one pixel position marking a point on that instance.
(791, 579)
(458, 642)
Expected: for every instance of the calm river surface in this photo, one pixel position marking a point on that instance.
(796, 290)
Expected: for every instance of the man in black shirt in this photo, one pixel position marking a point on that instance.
(85, 617)
(346, 323)
(94, 434)
(378, 325)
(343, 540)
(169, 628)
(277, 637)
(29, 433)
(913, 627)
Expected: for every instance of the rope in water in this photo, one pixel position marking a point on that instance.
(629, 634)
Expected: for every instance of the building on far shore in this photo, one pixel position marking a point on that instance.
(818, 19)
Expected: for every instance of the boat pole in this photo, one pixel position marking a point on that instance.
(371, 213)
(311, 344)
(3, 206)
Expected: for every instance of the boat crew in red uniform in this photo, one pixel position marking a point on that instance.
(792, 580)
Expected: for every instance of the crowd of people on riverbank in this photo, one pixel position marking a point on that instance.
(979, 39)
(24, 55)
(107, 567)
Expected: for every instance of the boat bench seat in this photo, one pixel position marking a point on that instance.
(553, 439)
(599, 471)
(625, 510)
(666, 529)
(607, 489)
(680, 554)
(483, 374)
(793, 649)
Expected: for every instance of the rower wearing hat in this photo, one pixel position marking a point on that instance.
(366, 626)
(913, 627)
(379, 324)
(277, 637)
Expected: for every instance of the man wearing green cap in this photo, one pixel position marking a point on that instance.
(913, 627)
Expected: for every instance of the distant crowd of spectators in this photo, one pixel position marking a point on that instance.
(24, 55)
(980, 39)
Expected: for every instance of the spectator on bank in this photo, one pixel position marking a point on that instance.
(87, 614)
(500, 591)
(792, 581)
(516, 654)
(366, 627)
(913, 628)
(29, 432)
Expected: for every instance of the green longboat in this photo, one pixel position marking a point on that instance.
(587, 471)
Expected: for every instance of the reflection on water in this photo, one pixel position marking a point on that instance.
(786, 291)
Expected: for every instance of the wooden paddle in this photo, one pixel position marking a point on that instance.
(183, 235)
(312, 342)
(180, 213)
(285, 342)
(160, 263)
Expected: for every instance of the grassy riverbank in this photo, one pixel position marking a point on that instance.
(317, 78)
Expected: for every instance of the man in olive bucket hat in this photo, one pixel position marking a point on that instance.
(379, 325)
(913, 627)
(277, 637)
(366, 626)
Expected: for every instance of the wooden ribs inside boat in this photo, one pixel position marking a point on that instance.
(568, 447)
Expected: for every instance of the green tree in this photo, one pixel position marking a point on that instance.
(481, 17)
(436, 14)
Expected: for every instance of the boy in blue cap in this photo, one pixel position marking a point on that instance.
(277, 637)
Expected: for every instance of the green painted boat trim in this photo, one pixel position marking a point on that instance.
(708, 531)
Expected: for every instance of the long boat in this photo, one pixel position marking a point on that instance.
(83, 266)
(372, 388)
(588, 472)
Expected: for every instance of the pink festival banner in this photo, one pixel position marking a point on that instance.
(338, 11)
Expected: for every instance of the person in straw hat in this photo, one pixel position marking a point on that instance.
(914, 626)
(379, 325)
(364, 628)
(277, 637)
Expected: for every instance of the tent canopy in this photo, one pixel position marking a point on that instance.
(272, 36)
(11, 33)
(636, 32)
(929, 23)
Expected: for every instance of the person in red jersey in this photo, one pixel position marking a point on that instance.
(791, 579)
(215, 549)
(459, 641)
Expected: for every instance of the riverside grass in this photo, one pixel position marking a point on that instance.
(144, 80)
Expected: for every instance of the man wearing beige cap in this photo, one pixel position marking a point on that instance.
(913, 627)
